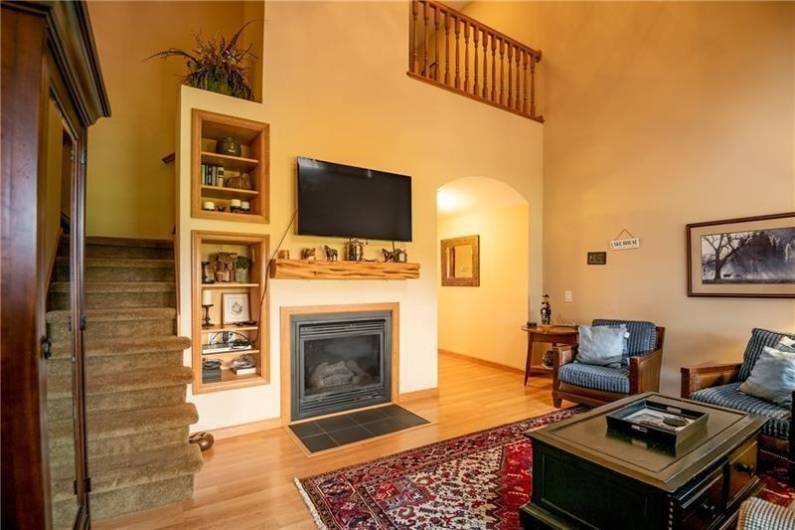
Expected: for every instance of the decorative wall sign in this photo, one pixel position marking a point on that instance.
(597, 258)
(748, 257)
(626, 243)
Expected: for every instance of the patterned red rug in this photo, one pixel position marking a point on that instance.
(477, 481)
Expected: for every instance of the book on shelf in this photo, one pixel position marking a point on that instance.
(245, 371)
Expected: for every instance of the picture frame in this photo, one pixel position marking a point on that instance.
(235, 308)
(749, 257)
(461, 261)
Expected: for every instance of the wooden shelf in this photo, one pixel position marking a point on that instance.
(235, 163)
(230, 381)
(220, 329)
(254, 139)
(290, 269)
(217, 192)
(255, 247)
(228, 285)
(228, 354)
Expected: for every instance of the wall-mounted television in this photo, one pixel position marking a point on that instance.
(345, 201)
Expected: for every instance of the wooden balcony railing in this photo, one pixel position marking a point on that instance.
(456, 52)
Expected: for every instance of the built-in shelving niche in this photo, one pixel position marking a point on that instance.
(255, 248)
(252, 164)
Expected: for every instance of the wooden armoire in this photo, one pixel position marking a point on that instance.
(52, 91)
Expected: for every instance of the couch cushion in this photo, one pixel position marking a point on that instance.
(596, 377)
(642, 334)
(759, 339)
(773, 375)
(601, 345)
(759, 514)
(729, 396)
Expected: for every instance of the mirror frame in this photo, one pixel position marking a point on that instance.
(446, 245)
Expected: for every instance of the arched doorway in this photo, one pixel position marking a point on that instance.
(483, 321)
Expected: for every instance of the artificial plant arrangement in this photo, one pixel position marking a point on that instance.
(242, 264)
(216, 64)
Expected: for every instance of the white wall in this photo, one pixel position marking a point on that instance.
(335, 88)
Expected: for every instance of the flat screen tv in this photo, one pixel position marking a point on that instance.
(345, 201)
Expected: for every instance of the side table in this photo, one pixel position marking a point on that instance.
(566, 335)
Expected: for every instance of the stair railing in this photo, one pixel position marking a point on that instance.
(454, 51)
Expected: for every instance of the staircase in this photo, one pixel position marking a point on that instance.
(137, 418)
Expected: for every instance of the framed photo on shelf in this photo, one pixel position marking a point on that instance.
(235, 308)
(751, 257)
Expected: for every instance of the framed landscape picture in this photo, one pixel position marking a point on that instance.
(749, 257)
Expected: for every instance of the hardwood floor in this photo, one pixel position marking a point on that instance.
(247, 481)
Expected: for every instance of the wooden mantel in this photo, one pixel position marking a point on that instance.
(293, 269)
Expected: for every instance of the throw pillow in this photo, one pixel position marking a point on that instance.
(773, 375)
(601, 345)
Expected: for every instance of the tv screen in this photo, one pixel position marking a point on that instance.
(344, 201)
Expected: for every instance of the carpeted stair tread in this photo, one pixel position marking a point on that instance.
(112, 383)
(109, 424)
(122, 471)
(116, 287)
(112, 347)
(110, 315)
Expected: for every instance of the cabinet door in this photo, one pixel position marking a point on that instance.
(61, 205)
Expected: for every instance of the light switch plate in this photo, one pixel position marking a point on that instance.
(568, 296)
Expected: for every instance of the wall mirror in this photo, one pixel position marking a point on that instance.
(461, 261)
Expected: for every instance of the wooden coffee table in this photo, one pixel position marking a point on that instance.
(586, 476)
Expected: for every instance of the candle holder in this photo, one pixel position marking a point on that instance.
(206, 323)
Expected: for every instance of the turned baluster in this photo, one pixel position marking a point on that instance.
(475, 34)
(524, 84)
(466, 56)
(502, 71)
(447, 49)
(510, 74)
(485, 94)
(493, 69)
(457, 57)
(436, 43)
(425, 35)
(532, 86)
(413, 50)
(518, 77)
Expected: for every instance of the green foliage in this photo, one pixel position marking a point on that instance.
(216, 64)
(243, 262)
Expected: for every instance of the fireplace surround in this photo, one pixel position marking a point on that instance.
(338, 358)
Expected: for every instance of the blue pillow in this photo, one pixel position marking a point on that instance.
(773, 376)
(601, 345)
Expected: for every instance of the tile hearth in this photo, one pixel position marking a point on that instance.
(337, 431)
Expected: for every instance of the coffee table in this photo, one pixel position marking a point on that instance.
(588, 476)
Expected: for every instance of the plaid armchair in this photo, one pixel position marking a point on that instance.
(596, 385)
(718, 384)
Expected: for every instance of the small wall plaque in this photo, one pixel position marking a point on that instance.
(625, 244)
(597, 258)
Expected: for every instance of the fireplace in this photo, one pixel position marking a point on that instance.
(339, 362)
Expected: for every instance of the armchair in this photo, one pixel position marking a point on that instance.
(718, 384)
(596, 385)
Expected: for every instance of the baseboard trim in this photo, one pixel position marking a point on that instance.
(245, 428)
(426, 393)
(484, 362)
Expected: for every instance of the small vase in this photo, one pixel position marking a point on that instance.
(241, 275)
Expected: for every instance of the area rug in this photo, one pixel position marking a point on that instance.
(473, 482)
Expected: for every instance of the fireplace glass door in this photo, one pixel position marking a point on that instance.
(340, 362)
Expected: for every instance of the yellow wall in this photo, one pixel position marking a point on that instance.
(658, 115)
(335, 88)
(130, 191)
(485, 321)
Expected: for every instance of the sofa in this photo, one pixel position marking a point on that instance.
(596, 385)
(718, 384)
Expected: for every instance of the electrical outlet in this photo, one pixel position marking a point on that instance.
(568, 296)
